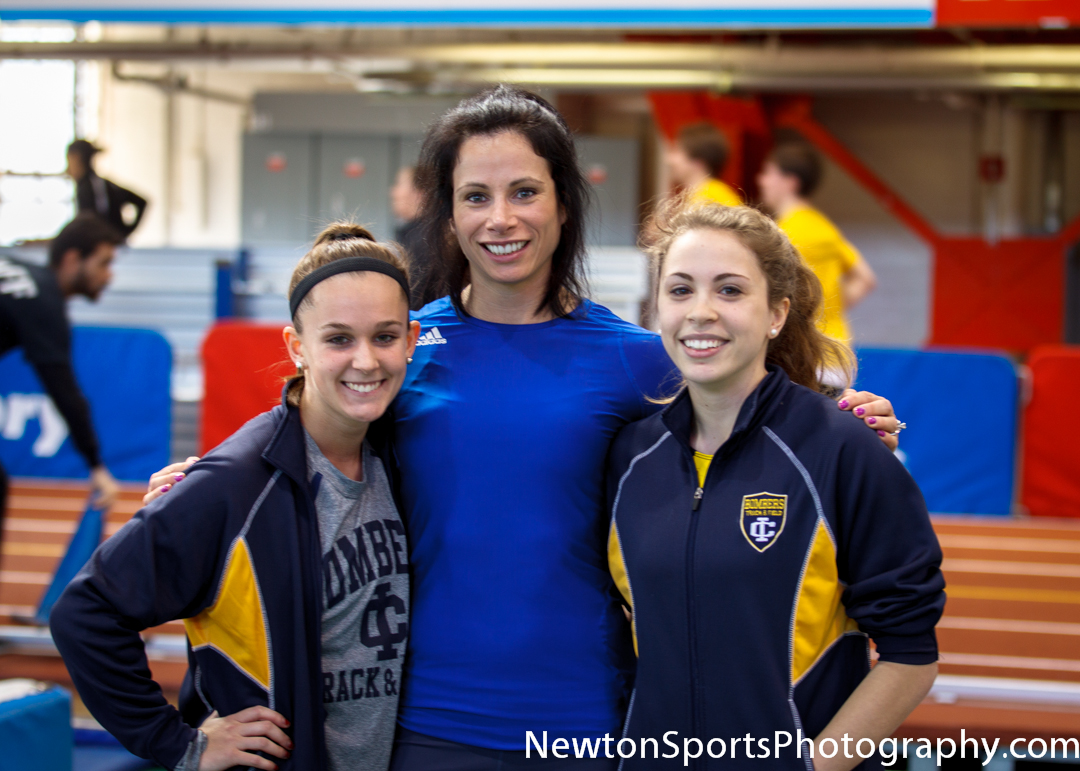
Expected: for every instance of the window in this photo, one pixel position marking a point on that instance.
(39, 108)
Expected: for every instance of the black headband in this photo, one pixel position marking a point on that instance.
(347, 265)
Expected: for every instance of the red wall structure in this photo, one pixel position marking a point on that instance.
(1051, 457)
(1007, 13)
(1006, 295)
(244, 368)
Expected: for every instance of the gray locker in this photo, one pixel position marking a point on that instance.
(611, 165)
(355, 174)
(276, 199)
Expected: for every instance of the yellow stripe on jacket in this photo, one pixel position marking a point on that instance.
(234, 625)
(617, 566)
(820, 617)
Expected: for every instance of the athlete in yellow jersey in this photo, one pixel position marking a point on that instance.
(789, 176)
(696, 161)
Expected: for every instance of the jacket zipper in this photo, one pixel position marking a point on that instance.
(699, 493)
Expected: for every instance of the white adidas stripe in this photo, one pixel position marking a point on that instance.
(432, 337)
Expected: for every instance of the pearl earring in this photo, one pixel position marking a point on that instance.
(773, 333)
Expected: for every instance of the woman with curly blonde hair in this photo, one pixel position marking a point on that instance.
(758, 537)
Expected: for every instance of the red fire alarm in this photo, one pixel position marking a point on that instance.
(354, 168)
(276, 163)
(991, 168)
(597, 174)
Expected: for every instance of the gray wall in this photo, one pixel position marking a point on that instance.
(325, 138)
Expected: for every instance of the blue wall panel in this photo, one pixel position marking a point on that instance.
(125, 376)
(961, 409)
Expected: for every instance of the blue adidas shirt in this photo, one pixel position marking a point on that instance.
(502, 432)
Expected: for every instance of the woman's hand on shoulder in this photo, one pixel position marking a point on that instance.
(233, 740)
(163, 481)
(875, 411)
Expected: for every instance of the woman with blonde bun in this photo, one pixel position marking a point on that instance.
(283, 552)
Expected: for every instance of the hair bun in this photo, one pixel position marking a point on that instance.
(344, 231)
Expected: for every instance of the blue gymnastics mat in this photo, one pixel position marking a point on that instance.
(962, 409)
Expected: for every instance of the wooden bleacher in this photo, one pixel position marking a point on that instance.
(41, 517)
(1010, 638)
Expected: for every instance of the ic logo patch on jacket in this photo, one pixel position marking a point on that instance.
(762, 518)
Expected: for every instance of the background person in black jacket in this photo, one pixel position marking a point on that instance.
(101, 196)
(33, 316)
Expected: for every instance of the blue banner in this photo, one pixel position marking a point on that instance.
(80, 548)
(124, 374)
(961, 409)
(741, 14)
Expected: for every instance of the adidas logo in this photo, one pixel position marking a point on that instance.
(431, 337)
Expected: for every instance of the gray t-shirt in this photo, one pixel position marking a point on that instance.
(365, 574)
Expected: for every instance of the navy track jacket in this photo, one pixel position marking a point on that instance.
(234, 550)
(753, 597)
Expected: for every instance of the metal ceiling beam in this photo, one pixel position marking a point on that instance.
(599, 54)
(738, 67)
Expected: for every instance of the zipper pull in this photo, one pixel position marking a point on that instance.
(698, 495)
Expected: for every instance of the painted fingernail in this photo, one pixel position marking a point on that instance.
(881, 433)
(871, 421)
(843, 405)
(177, 477)
(166, 488)
(860, 411)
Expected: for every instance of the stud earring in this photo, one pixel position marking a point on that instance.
(773, 333)
(408, 360)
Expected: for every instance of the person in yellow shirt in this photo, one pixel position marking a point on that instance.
(696, 160)
(790, 175)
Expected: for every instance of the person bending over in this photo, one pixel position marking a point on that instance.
(33, 316)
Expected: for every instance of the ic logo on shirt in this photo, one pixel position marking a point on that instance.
(762, 518)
